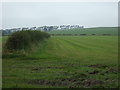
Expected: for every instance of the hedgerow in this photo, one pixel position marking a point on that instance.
(24, 39)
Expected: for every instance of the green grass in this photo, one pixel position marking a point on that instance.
(88, 31)
(2, 42)
(65, 61)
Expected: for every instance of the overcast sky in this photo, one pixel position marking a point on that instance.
(29, 14)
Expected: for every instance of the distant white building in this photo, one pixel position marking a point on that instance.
(24, 28)
(40, 28)
(44, 28)
(70, 26)
(33, 28)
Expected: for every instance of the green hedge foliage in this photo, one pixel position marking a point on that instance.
(24, 39)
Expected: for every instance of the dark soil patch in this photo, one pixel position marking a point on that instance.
(63, 82)
(48, 67)
(66, 73)
(92, 82)
(77, 80)
(94, 72)
(70, 83)
(115, 71)
(80, 75)
(98, 66)
(73, 65)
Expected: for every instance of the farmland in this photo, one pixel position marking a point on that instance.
(88, 31)
(65, 62)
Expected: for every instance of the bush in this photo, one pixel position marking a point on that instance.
(24, 39)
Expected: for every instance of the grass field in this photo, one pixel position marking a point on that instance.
(65, 61)
(88, 31)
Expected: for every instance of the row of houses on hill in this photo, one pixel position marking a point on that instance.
(42, 28)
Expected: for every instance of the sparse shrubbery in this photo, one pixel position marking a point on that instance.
(24, 39)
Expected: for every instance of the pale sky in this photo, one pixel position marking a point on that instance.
(29, 14)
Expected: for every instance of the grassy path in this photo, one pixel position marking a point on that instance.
(65, 61)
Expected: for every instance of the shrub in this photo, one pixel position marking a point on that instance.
(24, 39)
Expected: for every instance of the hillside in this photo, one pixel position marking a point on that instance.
(87, 31)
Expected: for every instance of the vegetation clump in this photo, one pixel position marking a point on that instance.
(24, 39)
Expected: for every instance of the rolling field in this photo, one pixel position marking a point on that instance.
(65, 62)
(0, 45)
(88, 31)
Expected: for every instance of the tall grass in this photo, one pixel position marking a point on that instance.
(24, 39)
